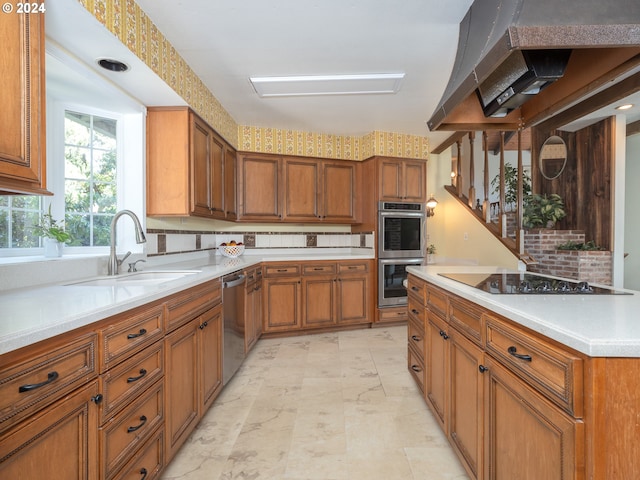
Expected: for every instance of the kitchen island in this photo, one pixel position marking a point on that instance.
(528, 386)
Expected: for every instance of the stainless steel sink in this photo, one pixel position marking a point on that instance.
(139, 278)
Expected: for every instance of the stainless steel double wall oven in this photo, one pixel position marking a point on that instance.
(401, 242)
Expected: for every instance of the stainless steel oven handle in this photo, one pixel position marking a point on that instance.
(401, 214)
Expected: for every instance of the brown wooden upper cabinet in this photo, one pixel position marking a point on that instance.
(22, 123)
(190, 168)
(292, 189)
(402, 180)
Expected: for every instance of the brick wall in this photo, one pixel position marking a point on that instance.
(591, 266)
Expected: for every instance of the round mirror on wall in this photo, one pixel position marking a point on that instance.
(553, 157)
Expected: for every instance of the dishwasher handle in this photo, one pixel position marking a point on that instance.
(233, 281)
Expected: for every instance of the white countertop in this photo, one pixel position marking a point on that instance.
(596, 325)
(29, 315)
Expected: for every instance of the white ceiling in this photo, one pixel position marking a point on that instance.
(225, 42)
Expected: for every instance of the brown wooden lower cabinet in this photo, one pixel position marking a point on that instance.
(281, 304)
(551, 413)
(528, 437)
(252, 307)
(193, 375)
(59, 442)
(313, 295)
(466, 415)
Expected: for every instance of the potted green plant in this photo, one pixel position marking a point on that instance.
(53, 234)
(511, 184)
(431, 251)
(542, 211)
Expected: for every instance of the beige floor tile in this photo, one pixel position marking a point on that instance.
(331, 406)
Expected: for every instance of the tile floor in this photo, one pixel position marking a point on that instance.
(328, 406)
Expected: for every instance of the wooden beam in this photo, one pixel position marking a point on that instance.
(633, 128)
(602, 99)
(448, 142)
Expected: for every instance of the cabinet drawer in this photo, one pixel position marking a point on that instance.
(121, 437)
(467, 319)
(186, 306)
(416, 368)
(417, 288)
(131, 335)
(552, 371)
(147, 463)
(416, 311)
(436, 300)
(392, 314)
(346, 268)
(124, 382)
(28, 386)
(415, 336)
(323, 269)
(288, 270)
(253, 275)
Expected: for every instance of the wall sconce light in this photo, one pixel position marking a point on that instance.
(431, 205)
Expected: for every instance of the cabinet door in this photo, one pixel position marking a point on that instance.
(210, 350)
(259, 188)
(22, 123)
(282, 304)
(353, 299)
(253, 314)
(414, 179)
(437, 368)
(318, 301)
(466, 418)
(301, 196)
(61, 441)
(181, 386)
(201, 166)
(338, 192)
(528, 438)
(390, 175)
(216, 194)
(230, 183)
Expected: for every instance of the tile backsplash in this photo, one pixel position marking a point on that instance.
(167, 242)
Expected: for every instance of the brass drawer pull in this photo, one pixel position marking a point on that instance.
(51, 377)
(143, 372)
(512, 351)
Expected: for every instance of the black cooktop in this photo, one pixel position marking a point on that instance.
(527, 284)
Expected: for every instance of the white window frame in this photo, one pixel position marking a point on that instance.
(130, 175)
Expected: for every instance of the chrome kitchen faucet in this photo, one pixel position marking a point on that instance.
(114, 263)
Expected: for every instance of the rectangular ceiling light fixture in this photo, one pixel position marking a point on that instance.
(304, 85)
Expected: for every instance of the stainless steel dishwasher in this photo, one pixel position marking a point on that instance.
(233, 319)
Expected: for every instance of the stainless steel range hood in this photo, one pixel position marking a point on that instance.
(509, 50)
